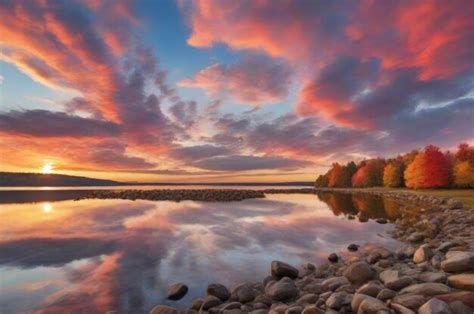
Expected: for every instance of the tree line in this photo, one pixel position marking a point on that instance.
(418, 169)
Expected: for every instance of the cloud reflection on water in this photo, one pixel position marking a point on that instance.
(117, 254)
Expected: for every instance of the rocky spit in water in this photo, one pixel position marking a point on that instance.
(433, 272)
(204, 195)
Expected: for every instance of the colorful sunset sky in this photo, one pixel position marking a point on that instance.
(194, 91)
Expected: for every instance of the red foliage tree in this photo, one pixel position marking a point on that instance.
(430, 169)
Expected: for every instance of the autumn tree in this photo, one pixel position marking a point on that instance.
(369, 174)
(430, 169)
(464, 167)
(338, 176)
(393, 174)
(322, 181)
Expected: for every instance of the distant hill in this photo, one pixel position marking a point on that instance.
(39, 179)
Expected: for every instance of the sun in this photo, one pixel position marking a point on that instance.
(47, 168)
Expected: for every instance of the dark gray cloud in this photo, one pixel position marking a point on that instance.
(198, 152)
(43, 123)
(247, 162)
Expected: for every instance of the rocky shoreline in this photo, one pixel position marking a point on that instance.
(433, 272)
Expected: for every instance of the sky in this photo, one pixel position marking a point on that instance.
(229, 91)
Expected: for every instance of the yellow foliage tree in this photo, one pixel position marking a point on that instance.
(393, 174)
(464, 174)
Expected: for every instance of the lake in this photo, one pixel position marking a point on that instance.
(94, 256)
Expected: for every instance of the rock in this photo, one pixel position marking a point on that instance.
(312, 309)
(434, 306)
(294, 309)
(353, 247)
(445, 246)
(462, 281)
(466, 297)
(263, 298)
(458, 307)
(260, 306)
(278, 309)
(422, 254)
(458, 261)
(281, 290)
(370, 288)
(164, 309)
(309, 298)
(359, 273)
(219, 291)
(454, 204)
(210, 301)
(386, 294)
(357, 300)
(411, 301)
(384, 263)
(401, 309)
(231, 306)
(432, 277)
(427, 289)
(372, 305)
(333, 258)
(280, 270)
(416, 237)
(381, 220)
(334, 282)
(338, 300)
(259, 311)
(177, 291)
(314, 288)
(196, 304)
(393, 280)
(243, 293)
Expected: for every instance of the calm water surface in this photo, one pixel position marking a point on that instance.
(93, 256)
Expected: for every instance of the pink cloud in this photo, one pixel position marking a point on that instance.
(252, 80)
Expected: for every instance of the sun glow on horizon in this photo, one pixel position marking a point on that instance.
(47, 208)
(47, 168)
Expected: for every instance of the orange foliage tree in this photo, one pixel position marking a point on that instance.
(430, 169)
(338, 177)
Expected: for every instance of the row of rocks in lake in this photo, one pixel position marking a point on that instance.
(376, 281)
(205, 195)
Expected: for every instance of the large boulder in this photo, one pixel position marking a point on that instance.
(281, 290)
(334, 283)
(243, 293)
(422, 254)
(392, 279)
(462, 281)
(210, 301)
(411, 301)
(434, 306)
(280, 270)
(177, 291)
(373, 306)
(359, 273)
(164, 309)
(338, 300)
(458, 261)
(370, 288)
(219, 291)
(427, 289)
(432, 277)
